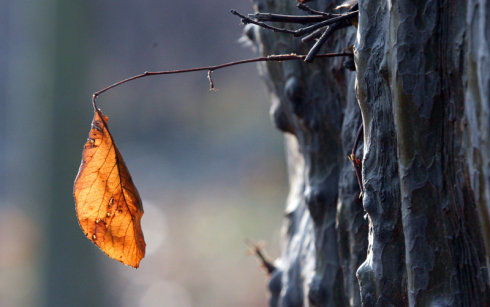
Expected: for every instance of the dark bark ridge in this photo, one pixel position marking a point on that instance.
(417, 61)
(312, 268)
(421, 236)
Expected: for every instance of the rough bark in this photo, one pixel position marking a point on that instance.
(422, 89)
(416, 66)
(309, 104)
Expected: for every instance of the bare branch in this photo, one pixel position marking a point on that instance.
(287, 18)
(308, 9)
(300, 31)
(270, 58)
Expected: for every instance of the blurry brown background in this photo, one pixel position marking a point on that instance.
(209, 165)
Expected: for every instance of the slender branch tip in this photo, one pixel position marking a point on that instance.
(94, 98)
(211, 83)
(210, 69)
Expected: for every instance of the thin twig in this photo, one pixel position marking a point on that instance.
(270, 58)
(313, 35)
(300, 31)
(316, 47)
(211, 83)
(246, 20)
(306, 30)
(257, 250)
(287, 18)
(308, 9)
(319, 43)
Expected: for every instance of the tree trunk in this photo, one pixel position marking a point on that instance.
(419, 235)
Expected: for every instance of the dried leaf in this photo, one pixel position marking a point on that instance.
(108, 205)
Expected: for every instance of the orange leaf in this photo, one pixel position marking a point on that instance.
(108, 205)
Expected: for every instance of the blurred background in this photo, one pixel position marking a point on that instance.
(209, 165)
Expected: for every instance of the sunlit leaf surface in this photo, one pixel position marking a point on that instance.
(108, 205)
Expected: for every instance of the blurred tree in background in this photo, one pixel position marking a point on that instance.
(207, 164)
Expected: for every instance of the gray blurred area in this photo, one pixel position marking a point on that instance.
(209, 165)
